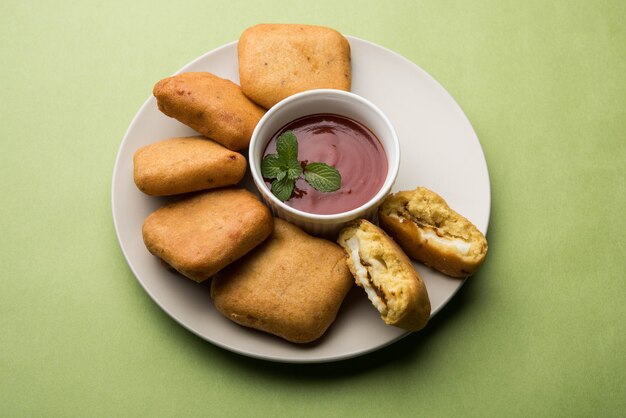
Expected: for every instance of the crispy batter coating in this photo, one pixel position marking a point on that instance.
(292, 285)
(183, 165)
(211, 105)
(278, 60)
(386, 274)
(201, 234)
(428, 230)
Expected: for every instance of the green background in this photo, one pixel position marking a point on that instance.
(539, 331)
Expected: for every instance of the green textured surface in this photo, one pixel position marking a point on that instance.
(540, 331)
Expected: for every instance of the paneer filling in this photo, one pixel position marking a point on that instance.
(364, 277)
(435, 234)
(462, 247)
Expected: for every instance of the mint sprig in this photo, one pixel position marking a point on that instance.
(322, 177)
(283, 168)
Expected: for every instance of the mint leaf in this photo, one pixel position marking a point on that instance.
(283, 188)
(273, 167)
(294, 169)
(287, 146)
(322, 177)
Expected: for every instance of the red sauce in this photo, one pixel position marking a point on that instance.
(344, 144)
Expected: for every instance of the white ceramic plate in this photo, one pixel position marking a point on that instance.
(439, 150)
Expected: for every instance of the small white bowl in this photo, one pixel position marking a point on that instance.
(310, 103)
